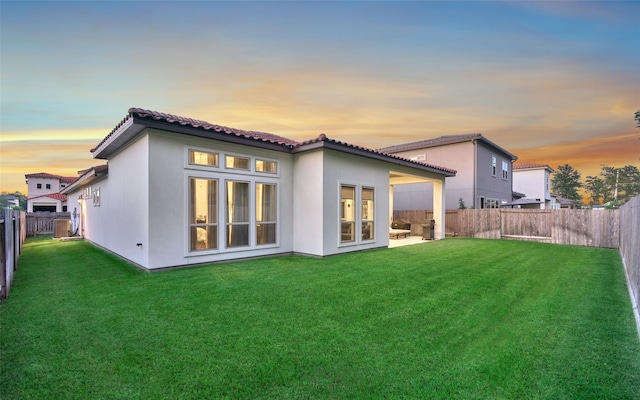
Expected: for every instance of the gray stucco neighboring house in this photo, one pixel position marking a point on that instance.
(484, 172)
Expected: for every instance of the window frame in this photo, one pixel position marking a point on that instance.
(240, 157)
(222, 174)
(214, 225)
(273, 222)
(371, 220)
(358, 220)
(494, 165)
(505, 170)
(266, 160)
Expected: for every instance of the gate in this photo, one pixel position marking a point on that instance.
(43, 223)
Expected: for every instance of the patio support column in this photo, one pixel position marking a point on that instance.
(390, 206)
(439, 208)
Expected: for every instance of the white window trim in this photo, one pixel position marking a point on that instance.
(494, 166)
(358, 214)
(505, 164)
(221, 168)
(222, 178)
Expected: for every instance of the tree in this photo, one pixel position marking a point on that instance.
(615, 184)
(566, 182)
(637, 118)
(595, 188)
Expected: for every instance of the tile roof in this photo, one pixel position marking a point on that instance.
(442, 141)
(64, 179)
(56, 196)
(87, 176)
(530, 166)
(323, 138)
(141, 113)
(137, 119)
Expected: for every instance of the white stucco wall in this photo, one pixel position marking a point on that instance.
(340, 169)
(121, 221)
(308, 203)
(169, 173)
(32, 186)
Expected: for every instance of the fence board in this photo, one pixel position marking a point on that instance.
(594, 228)
(630, 250)
(11, 239)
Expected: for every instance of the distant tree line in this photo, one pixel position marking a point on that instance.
(613, 186)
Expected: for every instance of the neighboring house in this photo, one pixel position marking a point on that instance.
(43, 192)
(534, 180)
(483, 178)
(565, 203)
(180, 191)
(12, 202)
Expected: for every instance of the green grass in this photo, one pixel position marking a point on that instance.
(459, 318)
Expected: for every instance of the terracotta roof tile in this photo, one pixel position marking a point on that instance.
(289, 144)
(323, 138)
(530, 166)
(198, 124)
(56, 196)
(64, 179)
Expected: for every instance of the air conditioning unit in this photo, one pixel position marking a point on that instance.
(61, 228)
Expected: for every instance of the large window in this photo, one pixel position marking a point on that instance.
(203, 214)
(266, 213)
(237, 210)
(348, 214)
(367, 214)
(505, 170)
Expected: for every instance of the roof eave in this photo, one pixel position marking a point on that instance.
(125, 132)
(135, 125)
(89, 176)
(329, 144)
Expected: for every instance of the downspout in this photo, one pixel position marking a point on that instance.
(475, 173)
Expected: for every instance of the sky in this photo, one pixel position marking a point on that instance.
(551, 82)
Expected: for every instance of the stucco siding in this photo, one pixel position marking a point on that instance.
(308, 203)
(419, 196)
(122, 219)
(169, 175)
(361, 173)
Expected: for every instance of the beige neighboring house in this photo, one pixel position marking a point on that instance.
(180, 191)
(43, 192)
(483, 172)
(534, 181)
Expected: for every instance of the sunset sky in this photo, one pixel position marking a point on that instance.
(551, 82)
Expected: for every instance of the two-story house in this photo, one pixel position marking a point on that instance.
(43, 192)
(534, 180)
(483, 179)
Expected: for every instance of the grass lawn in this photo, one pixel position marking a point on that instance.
(458, 318)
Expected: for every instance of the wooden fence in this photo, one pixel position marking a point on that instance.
(43, 223)
(12, 236)
(594, 228)
(630, 250)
